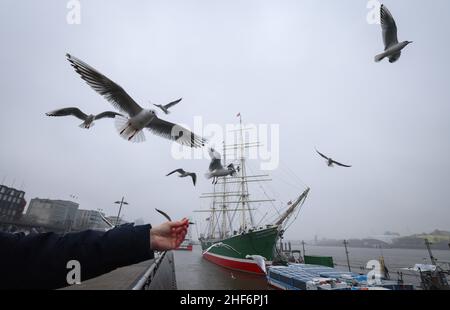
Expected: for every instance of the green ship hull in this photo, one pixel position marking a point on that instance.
(232, 252)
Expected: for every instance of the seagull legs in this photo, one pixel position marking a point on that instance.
(123, 130)
(132, 136)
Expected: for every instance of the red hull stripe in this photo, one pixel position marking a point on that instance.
(233, 264)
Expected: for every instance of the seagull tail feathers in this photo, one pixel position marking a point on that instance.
(86, 126)
(208, 175)
(126, 131)
(380, 57)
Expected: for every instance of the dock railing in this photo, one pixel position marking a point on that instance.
(165, 261)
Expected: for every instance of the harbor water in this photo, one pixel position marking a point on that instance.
(195, 273)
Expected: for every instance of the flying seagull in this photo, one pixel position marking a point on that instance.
(332, 162)
(392, 48)
(131, 127)
(183, 174)
(165, 108)
(164, 214)
(110, 225)
(216, 169)
(88, 120)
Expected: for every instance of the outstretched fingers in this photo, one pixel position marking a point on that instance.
(177, 224)
(178, 238)
(178, 231)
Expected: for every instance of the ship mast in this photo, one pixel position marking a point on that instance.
(224, 200)
(212, 217)
(244, 186)
(288, 213)
(243, 179)
(242, 195)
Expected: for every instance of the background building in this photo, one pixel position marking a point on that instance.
(113, 220)
(89, 219)
(57, 213)
(12, 203)
(387, 237)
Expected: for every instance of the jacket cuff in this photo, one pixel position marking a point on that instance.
(142, 235)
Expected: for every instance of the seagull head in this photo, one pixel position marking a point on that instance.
(147, 115)
(152, 113)
(231, 168)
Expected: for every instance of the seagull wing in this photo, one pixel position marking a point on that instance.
(395, 57)
(214, 154)
(215, 164)
(339, 164)
(164, 214)
(389, 27)
(194, 177)
(322, 155)
(175, 132)
(105, 220)
(215, 160)
(115, 94)
(107, 114)
(68, 111)
(171, 104)
(180, 171)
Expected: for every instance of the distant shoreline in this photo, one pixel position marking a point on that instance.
(433, 247)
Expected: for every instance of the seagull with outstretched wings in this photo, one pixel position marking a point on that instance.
(216, 169)
(165, 108)
(183, 174)
(392, 48)
(331, 162)
(131, 127)
(164, 214)
(88, 120)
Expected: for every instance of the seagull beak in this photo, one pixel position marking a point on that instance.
(409, 42)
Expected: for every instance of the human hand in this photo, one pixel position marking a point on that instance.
(169, 235)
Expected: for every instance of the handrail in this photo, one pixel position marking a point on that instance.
(149, 274)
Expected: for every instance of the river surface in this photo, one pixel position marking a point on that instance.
(195, 273)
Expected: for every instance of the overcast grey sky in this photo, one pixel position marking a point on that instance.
(305, 65)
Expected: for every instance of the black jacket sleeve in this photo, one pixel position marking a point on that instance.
(40, 260)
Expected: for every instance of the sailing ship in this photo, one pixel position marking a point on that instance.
(233, 245)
